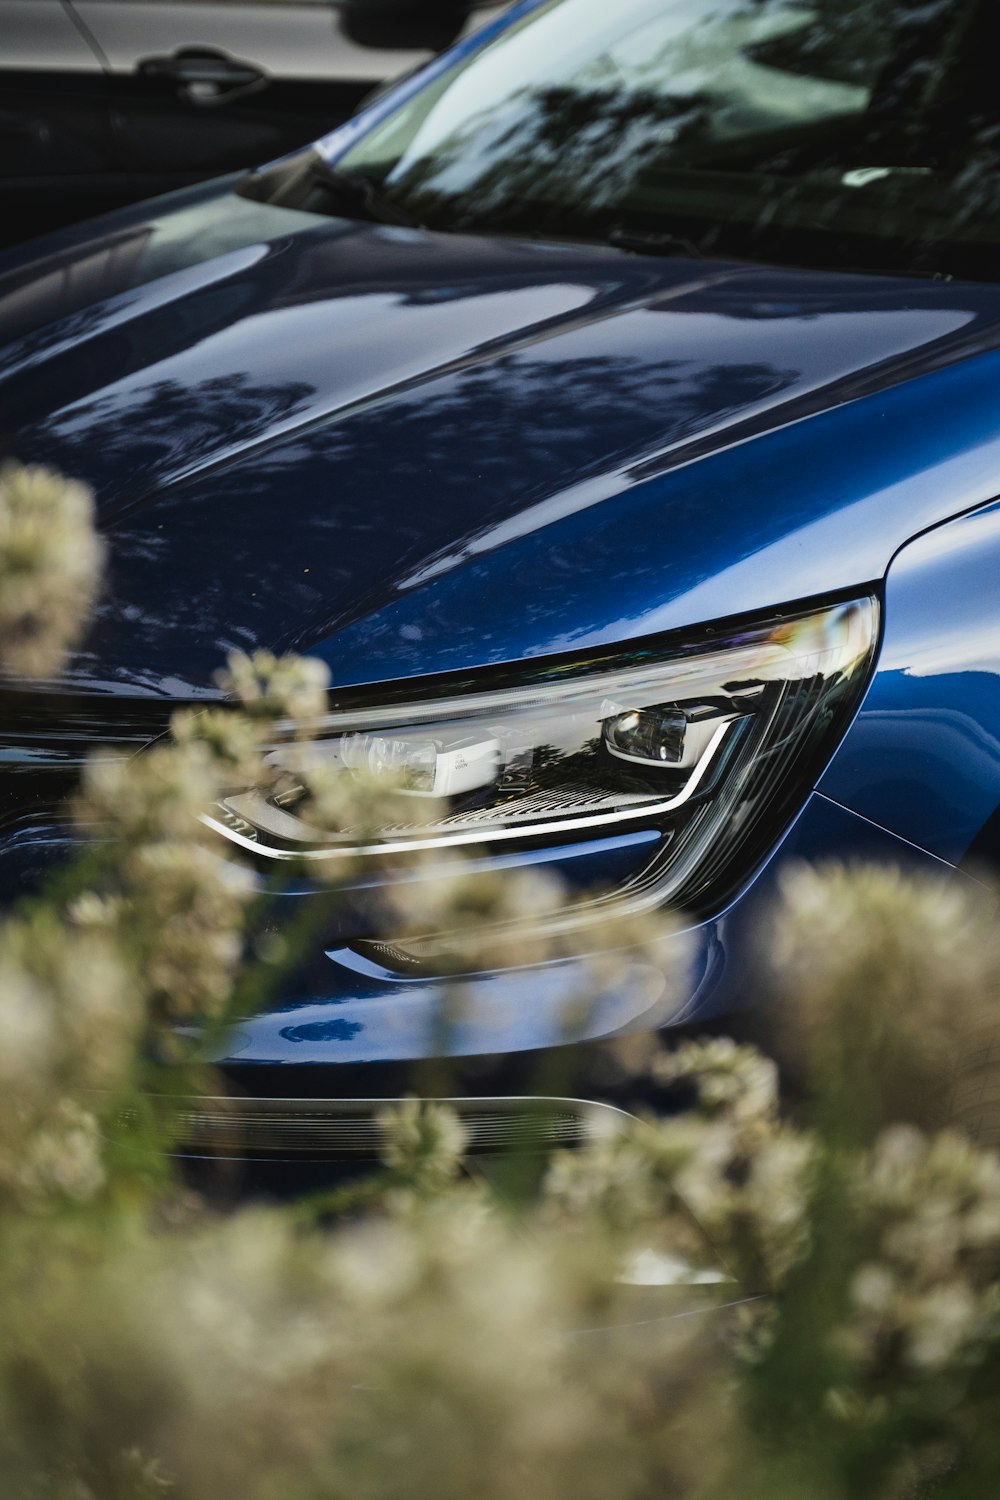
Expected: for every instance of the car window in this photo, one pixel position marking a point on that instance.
(753, 126)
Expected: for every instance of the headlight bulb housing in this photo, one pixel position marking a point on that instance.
(714, 740)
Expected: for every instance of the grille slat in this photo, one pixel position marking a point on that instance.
(351, 1127)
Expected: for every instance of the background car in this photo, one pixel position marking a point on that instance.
(105, 102)
(625, 441)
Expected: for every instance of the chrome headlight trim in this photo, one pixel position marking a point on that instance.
(724, 724)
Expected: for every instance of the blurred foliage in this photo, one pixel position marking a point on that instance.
(51, 560)
(748, 1294)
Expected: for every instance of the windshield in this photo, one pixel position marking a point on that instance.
(851, 133)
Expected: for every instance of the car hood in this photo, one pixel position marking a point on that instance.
(418, 452)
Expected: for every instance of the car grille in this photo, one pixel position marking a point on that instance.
(352, 1128)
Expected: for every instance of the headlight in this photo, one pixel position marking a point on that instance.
(712, 741)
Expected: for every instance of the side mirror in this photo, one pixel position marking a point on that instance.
(404, 25)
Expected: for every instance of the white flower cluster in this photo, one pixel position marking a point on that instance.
(172, 901)
(887, 982)
(927, 1296)
(423, 1143)
(51, 562)
(425, 1354)
(69, 1020)
(723, 1176)
(277, 687)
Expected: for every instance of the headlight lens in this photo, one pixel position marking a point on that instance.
(713, 742)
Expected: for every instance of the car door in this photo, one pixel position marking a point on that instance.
(57, 156)
(203, 87)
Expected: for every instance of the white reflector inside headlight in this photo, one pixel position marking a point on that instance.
(711, 741)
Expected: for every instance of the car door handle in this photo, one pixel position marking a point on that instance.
(205, 76)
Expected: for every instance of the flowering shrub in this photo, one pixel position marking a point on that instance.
(737, 1296)
(51, 560)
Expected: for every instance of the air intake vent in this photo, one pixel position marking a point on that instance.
(331, 1128)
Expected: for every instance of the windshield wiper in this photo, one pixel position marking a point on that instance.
(356, 191)
(652, 242)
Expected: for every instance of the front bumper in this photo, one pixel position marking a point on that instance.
(375, 1037)
(307, 1078)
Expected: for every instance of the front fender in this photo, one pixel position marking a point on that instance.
(922, 758)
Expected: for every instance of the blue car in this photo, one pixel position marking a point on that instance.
(615, 406)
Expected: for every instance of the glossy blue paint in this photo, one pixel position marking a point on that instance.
(818, 505)
(923, 756)
(587, 446)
